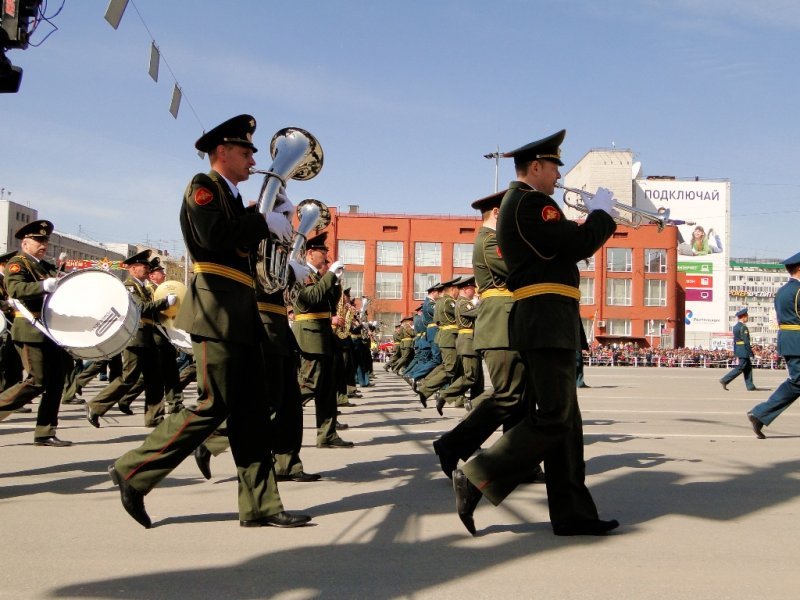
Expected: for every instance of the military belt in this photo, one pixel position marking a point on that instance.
(19, 314)
(466, 330)
(789, 327)
(496, 292)
(429, 325)
(271, 308)
(742, 343)
(537, 289)
(312, 316)
(223, 271)
(146, 321)
(448, 327)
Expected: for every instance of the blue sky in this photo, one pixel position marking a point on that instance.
(405, 98)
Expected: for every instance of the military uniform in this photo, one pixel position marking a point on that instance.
(406, 345)
(743, 351)
(787, 301)
(10, 363)
(315, 303)
(502, 404)
(470, 371)
(139, 359)
(431, 355)
(541, 248)
(220, 312)
(44, 361)
(449, 369)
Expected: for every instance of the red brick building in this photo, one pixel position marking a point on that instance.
(629, 288)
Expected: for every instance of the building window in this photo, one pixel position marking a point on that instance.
(619, 292)
(386, 322)
(390, 254)
(422, 281)
(618, 327)
(619, 260)
(351, 252)
(462, 255)
(428, 254)
(654, 327)
(655, 292)
(587, 329)
(587, 290)
(587, 265)
(355, 281)
(389, 286)
(655, 260)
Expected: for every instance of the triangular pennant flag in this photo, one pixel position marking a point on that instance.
(114, 12)
(176, 101)
(155, 57)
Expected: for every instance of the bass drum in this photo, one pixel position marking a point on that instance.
(91, 314)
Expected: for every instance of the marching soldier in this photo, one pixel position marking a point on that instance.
(743, 351)
(501, 405)
(541, 248)
(10, 364)
(220, 313)
(314, 317)
(787, 301)
(140, 357)
(406, 344)
(433, 357)
(469, 373)
(445, 316)
(29, 279)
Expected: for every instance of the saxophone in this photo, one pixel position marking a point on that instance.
(342, 330)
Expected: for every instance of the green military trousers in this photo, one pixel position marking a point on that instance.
(552, 431)
(230, 384)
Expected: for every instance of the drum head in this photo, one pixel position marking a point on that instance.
(88, 308)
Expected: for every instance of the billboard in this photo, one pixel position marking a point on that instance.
(701, 212)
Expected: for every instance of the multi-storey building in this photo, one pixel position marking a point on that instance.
(392, 259)
(752, 284)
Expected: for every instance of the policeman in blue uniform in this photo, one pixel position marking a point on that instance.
(788, 313)
(743, 351)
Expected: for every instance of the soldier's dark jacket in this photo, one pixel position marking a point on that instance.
(542, 248)
(491, 273)
(220, 302)
(24, 275)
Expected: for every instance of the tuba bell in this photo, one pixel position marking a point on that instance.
(296, 154)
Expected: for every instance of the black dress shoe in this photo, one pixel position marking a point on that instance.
(124, 409)
(202, 456)
(51, 441)
(440, 402)
(467, 498)
(414, 386)
(724, 385)
(94, 420)
(337, 443)
(281, 519)
(341, 426)
(24, 410)
(302, 477)
(422, 399)
(757, 426)
(447, 460)
(586, 527)
(132, 499)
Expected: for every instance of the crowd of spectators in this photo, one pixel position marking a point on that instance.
(631, 354)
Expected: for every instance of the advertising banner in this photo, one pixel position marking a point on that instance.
(701, 212)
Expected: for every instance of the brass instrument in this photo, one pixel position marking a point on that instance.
(362, 314)
(342, 330)
(637, 218)
(178, 337)
(296, 155)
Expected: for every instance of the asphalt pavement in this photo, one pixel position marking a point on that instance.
(706, 509)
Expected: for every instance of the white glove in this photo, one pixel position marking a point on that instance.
(603, 200)
(338, 268)
(282, 202)
(49, 285)
(171, 299)
(280, 226)
(301, 270)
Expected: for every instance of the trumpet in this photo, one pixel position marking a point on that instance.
(637, 218)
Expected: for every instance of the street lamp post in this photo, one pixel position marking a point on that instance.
(496, 156)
